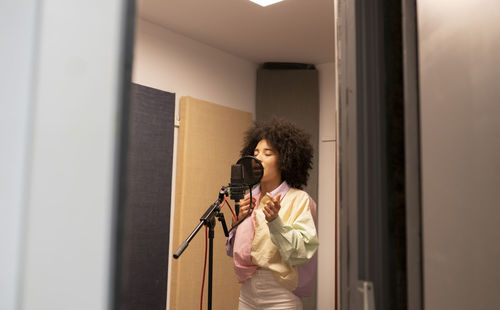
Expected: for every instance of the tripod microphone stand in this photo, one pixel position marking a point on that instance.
(247, 172)
(208, 219)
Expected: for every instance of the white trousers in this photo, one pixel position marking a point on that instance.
(262, 292)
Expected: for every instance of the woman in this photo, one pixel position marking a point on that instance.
(272, 248)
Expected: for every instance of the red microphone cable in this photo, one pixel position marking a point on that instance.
(234, 214)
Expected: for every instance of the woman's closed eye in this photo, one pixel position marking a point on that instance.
(265, 152)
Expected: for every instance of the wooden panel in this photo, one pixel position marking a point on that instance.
(210, 137)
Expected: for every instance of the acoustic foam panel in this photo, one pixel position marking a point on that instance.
(148, 196)
(210, 137)
(293, 94)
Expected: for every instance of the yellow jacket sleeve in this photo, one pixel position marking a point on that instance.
(294, 234)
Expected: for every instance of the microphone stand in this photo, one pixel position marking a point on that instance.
(208, 219)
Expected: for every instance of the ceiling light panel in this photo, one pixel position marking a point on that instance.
(265, 2)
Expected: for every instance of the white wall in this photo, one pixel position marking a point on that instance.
(327, 187)
(171, 62)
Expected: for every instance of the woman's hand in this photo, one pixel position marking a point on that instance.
(272, 207)
(245, 207)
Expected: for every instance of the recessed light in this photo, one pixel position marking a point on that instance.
(265, 2)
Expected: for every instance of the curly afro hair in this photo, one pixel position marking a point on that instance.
(295, 151)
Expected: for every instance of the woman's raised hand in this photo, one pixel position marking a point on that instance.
(245, 207)
(272, 207)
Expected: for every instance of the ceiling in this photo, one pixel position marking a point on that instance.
(299, 31)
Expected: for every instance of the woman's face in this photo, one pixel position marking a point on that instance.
(269, 158)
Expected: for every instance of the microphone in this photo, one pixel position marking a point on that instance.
(237, 186)
(247, 172)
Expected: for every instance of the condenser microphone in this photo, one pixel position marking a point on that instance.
(247, 172)
(237, 186)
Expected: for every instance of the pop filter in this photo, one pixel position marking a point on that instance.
(252, 170)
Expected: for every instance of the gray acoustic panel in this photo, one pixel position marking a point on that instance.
(294, 96)
(148, 196)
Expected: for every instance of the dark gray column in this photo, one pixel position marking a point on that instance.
(293, 95)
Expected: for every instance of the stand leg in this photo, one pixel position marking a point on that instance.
(211, 234)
